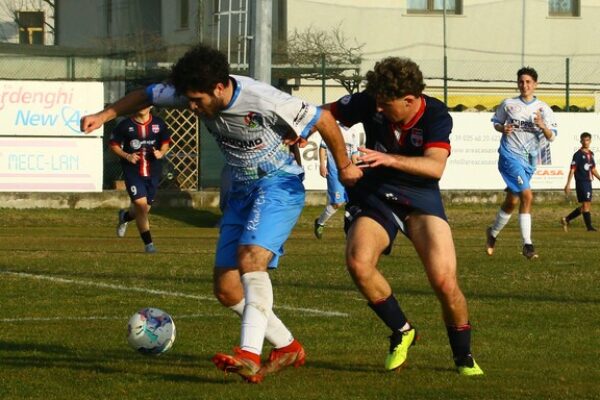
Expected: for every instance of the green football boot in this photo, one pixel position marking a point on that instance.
(399, 344)
(468, 367)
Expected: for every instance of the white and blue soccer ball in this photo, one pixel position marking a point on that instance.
(151, 331)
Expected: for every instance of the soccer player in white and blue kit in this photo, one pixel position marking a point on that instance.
(252, 123)
(526, 123)
(336, 193)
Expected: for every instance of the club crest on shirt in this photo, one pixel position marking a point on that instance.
(155, 128)
(416, 137)
(252, 120)
(514, 108)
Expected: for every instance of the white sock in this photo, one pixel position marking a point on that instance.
(525, 224)
(259, 304)
(277, 333)
(326, 214)
(502, 219)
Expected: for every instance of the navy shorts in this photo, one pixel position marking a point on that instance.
(390, 205)
(139, 187)
(584, 191)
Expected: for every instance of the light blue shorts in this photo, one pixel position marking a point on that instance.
(261, 215)
(336, 192)
(516, 173)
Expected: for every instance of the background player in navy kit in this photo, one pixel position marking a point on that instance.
(583, 167)
(407, 144)
(141, 142)
(251, 122)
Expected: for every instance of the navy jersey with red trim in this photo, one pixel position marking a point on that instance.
(583, 163)
(141, 138)
(431, 127)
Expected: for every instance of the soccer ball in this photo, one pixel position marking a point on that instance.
(151, 331)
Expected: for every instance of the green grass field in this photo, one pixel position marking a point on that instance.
(68, 287)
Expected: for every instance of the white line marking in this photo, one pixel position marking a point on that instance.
(158, 292)
(91, 318)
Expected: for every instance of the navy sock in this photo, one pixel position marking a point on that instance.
(146, 237)
(587, 218)
(574, 214)
(127, 217)
(460, 342)
(389, 312)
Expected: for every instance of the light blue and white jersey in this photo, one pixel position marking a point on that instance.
(251, 129)
(525, 139)
(351, 142)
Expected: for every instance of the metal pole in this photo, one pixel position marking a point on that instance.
(323, 94)
(523, 36)
(260, 62)
(445, 61)
(568, 67)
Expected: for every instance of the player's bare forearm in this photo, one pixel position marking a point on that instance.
(331, 134)
(595, 173)
(130, 103)
(430, 165)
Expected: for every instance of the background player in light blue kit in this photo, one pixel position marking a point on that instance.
(251, 122)
(525, 123)
(336, 193)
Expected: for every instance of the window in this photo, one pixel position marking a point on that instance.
(184, 14)
(563, 8)
(434, 6)
(31, 27)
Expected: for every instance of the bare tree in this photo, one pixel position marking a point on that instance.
(319, 54)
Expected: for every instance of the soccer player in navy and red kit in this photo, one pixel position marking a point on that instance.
(407, 144)
(141, 141)
(583, 168)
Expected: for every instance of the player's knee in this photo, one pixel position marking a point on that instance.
(360, 269)
(226, 297)
(445, 287)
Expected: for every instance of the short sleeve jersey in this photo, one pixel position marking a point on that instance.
(583, 163)
(350, 141)
(430, 127)
(525, 138)
(142, 139)
(250, 131)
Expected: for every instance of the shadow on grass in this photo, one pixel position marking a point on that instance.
(188, 216)
(46, 356)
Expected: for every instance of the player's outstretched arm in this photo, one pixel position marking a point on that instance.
(128, 104)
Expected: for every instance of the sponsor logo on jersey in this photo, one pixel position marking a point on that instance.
(416, 137)
(136, 144)
(301, 114)
(241, 144)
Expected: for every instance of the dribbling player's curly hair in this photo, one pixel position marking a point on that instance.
(200, 69)
(528, 71)
(395, 77)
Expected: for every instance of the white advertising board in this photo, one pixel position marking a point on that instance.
(50, 164)
(36, 108)
(473, 164)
